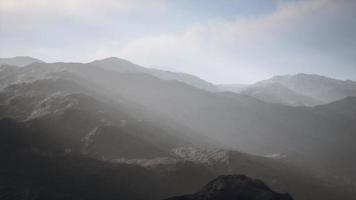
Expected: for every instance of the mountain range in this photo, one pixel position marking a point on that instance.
(102, 128)
(19, 60)
(297, 90)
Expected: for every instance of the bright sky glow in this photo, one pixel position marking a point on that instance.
(229, 41)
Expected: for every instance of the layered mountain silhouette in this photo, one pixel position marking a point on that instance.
(298, 90)
(121, 65)
(232, 187)
(106, 120)
(19, 61)
(237, 88)
(278, 93)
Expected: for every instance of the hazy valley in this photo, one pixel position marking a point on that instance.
(111, 129)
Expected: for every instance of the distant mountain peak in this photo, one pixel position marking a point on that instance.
(308, 89)
(125, 66)
(302, 76)
(19, 61)
(113, 59)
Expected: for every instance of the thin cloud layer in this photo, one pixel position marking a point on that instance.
(19, 14)
(250, 48)
(78, 6)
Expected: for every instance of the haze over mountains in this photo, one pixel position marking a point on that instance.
(121, 65)
(115, 130)
(298, 90)
(19, 60)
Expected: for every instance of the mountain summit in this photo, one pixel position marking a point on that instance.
(320, 88)
(122, 65)
(19, 61)
(297, 90)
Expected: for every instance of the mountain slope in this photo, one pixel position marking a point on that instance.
(121, 65)
(240, 122)
(277, 93)
(345, 107)
(342, 115)
(277, 172)
(317, 87)
(297, 90)
(238, 119)
(63, 111)
(31, 175)
(237, 88)
(26, 152)
(19, 61)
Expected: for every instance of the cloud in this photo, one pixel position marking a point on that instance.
(310, 36)
(21, 14)
(248, 49)
(72, 30)
(78, 6)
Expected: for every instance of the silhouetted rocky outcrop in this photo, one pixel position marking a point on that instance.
(235, 187)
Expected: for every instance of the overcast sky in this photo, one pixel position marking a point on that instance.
(227, 41)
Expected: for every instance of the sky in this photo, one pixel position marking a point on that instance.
(227, 41)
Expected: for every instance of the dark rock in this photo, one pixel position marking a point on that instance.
(235, 187)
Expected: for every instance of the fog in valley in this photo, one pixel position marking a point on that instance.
(178, 100)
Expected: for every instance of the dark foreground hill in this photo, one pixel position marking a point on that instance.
(233, 187)
(41, 165)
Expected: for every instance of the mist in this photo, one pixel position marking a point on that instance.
(177, 100)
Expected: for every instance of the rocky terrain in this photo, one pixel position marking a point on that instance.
(232, 187)
(94, 131)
